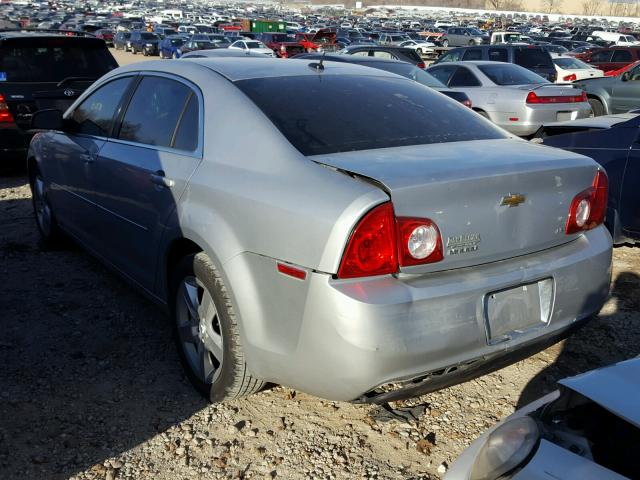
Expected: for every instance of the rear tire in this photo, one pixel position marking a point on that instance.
(597, 107)
(445, 43)
(206, 332)
(50, 234)
(483, 113)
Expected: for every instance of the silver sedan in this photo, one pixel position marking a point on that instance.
(511, 96)
(335, 228)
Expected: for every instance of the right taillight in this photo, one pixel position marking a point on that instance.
(381, 243)
(588, 208)
(5, 113)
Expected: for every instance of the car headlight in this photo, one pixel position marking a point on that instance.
(506, 448)
(149, 44)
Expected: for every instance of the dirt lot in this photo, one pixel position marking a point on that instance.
(90, 385)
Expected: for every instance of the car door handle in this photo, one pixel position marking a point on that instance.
(159, 179)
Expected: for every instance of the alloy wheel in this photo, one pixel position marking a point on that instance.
(199, 329)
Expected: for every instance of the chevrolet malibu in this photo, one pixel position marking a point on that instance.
(335, 228)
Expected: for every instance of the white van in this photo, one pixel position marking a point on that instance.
(617, 38)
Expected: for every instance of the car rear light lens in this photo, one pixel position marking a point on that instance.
(372, 247)
(419, 241)
(532, 97)
(570, 78)
(467, 103)
(588, 208)
(380, 243)
(421, 65)
(5, 113)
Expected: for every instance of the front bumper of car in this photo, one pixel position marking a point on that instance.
(351, 339)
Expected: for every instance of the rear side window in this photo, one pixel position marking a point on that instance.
(186, 136)
(95, 114)
(498, 55)
(53, 60)
(386, 55)
(622, 56)
(532, 58)
(452, 56)
(463, 77)
(154, 111)
(472, 54)
(311, 112)
(602, 56)
(443, 73)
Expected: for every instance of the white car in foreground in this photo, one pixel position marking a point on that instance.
(420, 46)
(252, 45)
(588, 429)
(571, 69)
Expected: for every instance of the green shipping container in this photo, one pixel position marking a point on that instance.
(261, 26)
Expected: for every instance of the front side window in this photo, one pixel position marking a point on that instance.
(473, 54)
(452, 56)
(498, 55)
(311, 111)
(95, 114)
(622, 56)
(154, 111)
(602, 56)
(443, 74)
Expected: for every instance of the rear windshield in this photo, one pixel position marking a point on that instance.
(532, 58)
(342, 113)
(54, 62)
(569, 62)
(148, 36)
(507, 74)
(409, 71)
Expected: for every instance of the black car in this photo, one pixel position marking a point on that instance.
(386, 52)
(40, 71)
(404, 69)
(531, 57)
(121, 41)
(612, 141)
(145, 42)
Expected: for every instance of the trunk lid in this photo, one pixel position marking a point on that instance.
(462, 187)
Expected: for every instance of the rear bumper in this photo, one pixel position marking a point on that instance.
(532, 118)
(342, 340)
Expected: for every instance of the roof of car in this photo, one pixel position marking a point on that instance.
(236, 69)
(348, 58)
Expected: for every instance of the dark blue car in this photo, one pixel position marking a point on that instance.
(170, 46)
(614, 142)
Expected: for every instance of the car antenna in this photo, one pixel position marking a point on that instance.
(319, 65)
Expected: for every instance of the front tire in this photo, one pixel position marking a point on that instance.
(50, 233)
(445, 43)
(206, 332)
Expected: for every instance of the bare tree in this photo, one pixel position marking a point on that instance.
(590, 7)
(496, 4)
(551, 6)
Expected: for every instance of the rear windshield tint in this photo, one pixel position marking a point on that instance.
(342, 113)
(532, 58)
(52, 63)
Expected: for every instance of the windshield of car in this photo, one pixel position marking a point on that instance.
(571, 63)
(512, 37)
(409, 71)
(204, 45)
(508, 74)
(312, 111)
(52, 61)
(532, 58)
(176, 42)
(148, 36)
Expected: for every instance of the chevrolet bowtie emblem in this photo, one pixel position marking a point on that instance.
(513, 200)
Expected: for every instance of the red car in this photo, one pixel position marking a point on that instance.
(612, 58)
(324, 40)
(282, 44)
(620, 71)
(106, 35)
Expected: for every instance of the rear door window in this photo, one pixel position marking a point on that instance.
(443, 73)
(463, 77)
(386, 55)
(154, 111)
(601, 57)
(622, 56)
(532, 58)
(498, 55)
(452, 56)
(473, 54)
(186, 136)
(96, 113)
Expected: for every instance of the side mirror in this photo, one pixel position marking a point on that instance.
(49, 119)
(626, 76)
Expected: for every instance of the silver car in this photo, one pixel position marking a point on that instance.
(331, 227)
(463, 36)
(588, 429)
(511, 96)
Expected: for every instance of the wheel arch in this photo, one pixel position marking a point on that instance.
(605, 104)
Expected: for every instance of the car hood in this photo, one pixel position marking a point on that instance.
(324, 33)
(615, 388)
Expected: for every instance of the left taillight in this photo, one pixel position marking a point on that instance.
(421, 65)
(570, 78)
(467, 103)
(5, 113)
(381, 243)
(588, 209)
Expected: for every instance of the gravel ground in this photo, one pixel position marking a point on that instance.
(91, 387)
